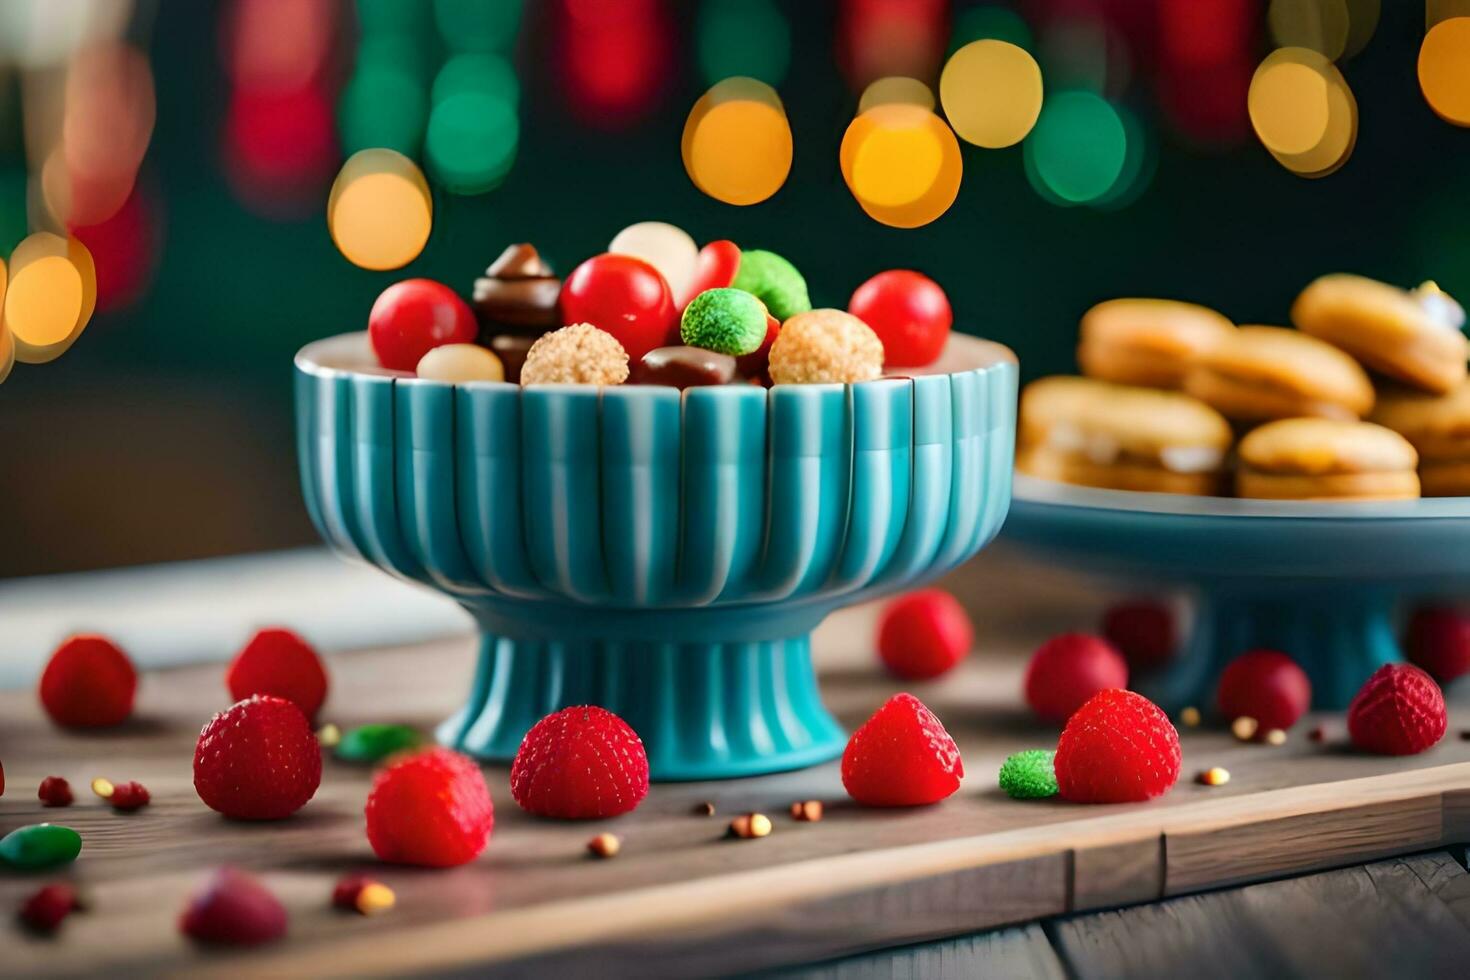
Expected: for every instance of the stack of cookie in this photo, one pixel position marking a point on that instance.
(1170, 386)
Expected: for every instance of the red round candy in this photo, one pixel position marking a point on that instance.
(1397, 711)
(909, 313)
(715, 268)
(924, 634)
(277, 661)
(89, 683)
(257, 760)
(1143, 630)
(624, 296)
(1265, 685)
(431, 809)
(1067, 670)
(412, 317)
(1439, 642)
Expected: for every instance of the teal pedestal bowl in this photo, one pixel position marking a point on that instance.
(1318, 581)
(663, 554)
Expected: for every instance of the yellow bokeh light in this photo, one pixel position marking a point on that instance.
(1288, 100)
(896, 88)
(991, 92)
(902, 164)
(1339, 139)
(380, 211)
(50, 297)
(7, 343)
(737, 142)
(1438, 10)
(1320, 25)
(1444, 70)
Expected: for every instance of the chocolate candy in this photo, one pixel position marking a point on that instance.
(517, 294)
(512, 351)
(684, 367)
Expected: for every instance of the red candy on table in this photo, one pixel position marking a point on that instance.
(1439, 642)
(1265, 685)
(1119, 747)
(625, 297)
(257, 760)
(901, 756)
(1067, 670)
(54, 791)
(924, 634)
(431, 808)
(1398, 711)
(909, 313)
(580, 763)
(233, 909)
(1143, 631)
(412, 317)
(714, 268)
(88, 683)
(44, 909)
(277, 661)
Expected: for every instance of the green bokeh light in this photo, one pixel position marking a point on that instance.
(389, 16)
(981, 23)
(1139, 164)
(471, 142)
(743, 37)
(1078, 147)
(13, 219)
(382, 106)
(478, 25)
(487, 74)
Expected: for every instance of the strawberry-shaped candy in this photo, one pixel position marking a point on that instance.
(1119, 747)
(580, 763)
(902, 756)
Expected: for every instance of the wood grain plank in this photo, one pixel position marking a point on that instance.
(1123, 873)
(1022, 953)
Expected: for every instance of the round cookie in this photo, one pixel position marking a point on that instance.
(1326, 459)
(1413, 337)
(1148, 342)
(1262, 373)
(1438, 426)
(1098, 434)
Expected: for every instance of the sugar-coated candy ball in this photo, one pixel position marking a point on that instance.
(1029, 775)
(1439, 642)
(667, 248)
(909, 313)
(729, 321)
(774, 281)
(1143, 629)
(430, 809)
(924, 634)
(580, 354)
(1067, 670)
(412, 317)
(624, 296)
(714, 268)
(684, 367)
(461, 362)
(1266, 685)
(825, 346)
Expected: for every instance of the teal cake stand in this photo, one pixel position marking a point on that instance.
(1317, 581)
(663, 555)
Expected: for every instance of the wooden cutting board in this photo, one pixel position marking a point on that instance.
(681, 898)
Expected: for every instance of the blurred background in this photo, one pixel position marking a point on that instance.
(191, 147)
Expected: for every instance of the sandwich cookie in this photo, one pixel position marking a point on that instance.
(1262, 373)
(1147, 342)
(1326, 459)
(1439, 428)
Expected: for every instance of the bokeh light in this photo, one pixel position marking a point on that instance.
(486, 74)
(50, 297)
(1319, 25)
(902, 163)
(7, 343)
(385, 103)
(106, 126)
(1338, 139)
(471, 142)
(896, 89)
(1140, 162)
(991, 92)
(276, 45)
(737, 142)
(380, 212)
(980, 23)
(1206, 54)
(615, 58)
(1078, 148)
(1444, 70)
(125, 249)
(877, 38)
(280, 150)
(478, 25)
(1303, 111)
(749, 38)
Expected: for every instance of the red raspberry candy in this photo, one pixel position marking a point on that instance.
(902, 756)
(129, 796)
(1143, 630)
(277, 661)
(1067, 670)
(1398, 711)
(580, 763)
(233, 909)
(923, 634)
(1267, 686)
(257, 760)
(1119, 747)
(46, 907)
(431, 808)
(54, 791)
(1439, 642)
(89, 683)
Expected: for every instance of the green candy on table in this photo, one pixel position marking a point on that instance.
(40, 845)
(1029, 775)
(374, 743)
(774, 281)
(726, 321)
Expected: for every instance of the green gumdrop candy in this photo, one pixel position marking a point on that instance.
(40, 845)
(374, 743)
(726, 321)
(773, 281)
(1029, 775)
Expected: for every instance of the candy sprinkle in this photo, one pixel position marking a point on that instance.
(604, 846)
(1244, 728)
(705, 809)
(103, 788)
(329, 736)
(363, 895)
(749, 826)
(1189, 717)
(807, 811)
(1276, 736)
(1213, 776)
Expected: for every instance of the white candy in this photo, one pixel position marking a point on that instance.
(1440, 306)
(668, 249)
(455, 363)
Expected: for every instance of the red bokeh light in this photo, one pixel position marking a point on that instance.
(616, 57)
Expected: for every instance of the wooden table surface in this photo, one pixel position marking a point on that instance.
(681, 899)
